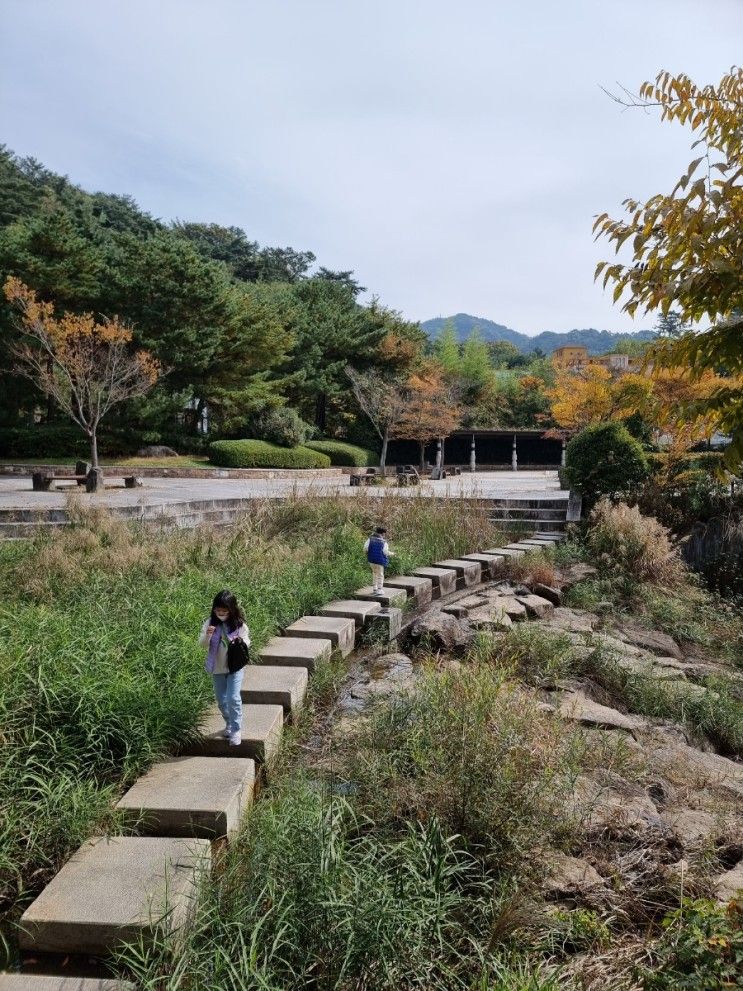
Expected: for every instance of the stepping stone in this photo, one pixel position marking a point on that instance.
(191, 796)
(507, 551)
(490, 563)
(421, 589)
(272, 684)
(296, 652)
(537, 543)
(554, 538)
(261, 734)
(385, 625)
(536, 605)
(469, 573)
(358, 611)
(519, 546)
(340, 632)
(444, 580)
(42, 982)
(389, 597)
(116, 890)
(512, 607)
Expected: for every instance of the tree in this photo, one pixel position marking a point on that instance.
(446, 349)
(431, 410)
(503, 354)
(604, 459)
(687, 246)
(382, 400)
(671, 324)
(344, 277)
(475, 367)
(87, 367)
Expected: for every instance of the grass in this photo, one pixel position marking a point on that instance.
(100, 671)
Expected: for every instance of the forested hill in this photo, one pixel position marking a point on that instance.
(596, 341)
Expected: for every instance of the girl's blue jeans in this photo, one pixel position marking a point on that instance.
(227, 692)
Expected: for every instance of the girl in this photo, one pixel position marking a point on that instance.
(226, 623)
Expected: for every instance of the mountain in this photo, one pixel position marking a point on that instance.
(595, 341)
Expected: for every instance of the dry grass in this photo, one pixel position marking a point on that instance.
(623, 540)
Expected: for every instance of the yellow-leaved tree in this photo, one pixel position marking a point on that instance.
(687, 247)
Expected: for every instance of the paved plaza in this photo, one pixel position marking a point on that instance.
(16, 492)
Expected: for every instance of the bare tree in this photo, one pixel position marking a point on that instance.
(84, 366)
(382, 400)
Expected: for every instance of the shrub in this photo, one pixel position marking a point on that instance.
(604, 460)
(344, 454)
(624, 540)
(283, 426)
(261, 454)
(44, 441)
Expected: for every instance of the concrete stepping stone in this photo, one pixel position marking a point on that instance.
(518, 546)
(490, 563)
(554, 538)
(444, 580)
(339, 631)
(536, 544)
(512, 607)
(44, 982)
(296, 652)
(506, 551)
(421, 589)
(536, 606)
(469, 573)
(262, 726)
(385, 625)
(389, 597)
(115, 890)
(356, 610)
(191, 796)
(273, 684)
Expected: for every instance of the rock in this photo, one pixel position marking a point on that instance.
(514, 609)
(536, 605)
(473, 601)
(459, 612)
(575, 705)
(573, 620)
(395, 667)
(576, 573)
(605, 801)
(651, 640)
(553, 595)
(570, 876)
(729, 885)
(693, 827)
(695, 768)
(157, 451)
(442, 631)
(490, 616)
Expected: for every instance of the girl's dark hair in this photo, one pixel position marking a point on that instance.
(381, 529)
(226, 600)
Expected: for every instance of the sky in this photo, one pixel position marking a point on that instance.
(452, 154)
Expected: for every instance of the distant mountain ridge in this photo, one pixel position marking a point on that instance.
(595, 341)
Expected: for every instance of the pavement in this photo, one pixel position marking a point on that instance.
(16, 492)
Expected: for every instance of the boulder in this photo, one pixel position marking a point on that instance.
(575, 705)
(489, 617)
(576, 573)
(607, 802)
(573, 620)
(651, 640)
(570, 876)
(442, 631)
(692, 827)
(553, 595)
(697, 768)
(536, 605)
(730, 884)
(157, 451)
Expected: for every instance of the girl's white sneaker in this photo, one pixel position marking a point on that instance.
(235, 739)
(226, 733)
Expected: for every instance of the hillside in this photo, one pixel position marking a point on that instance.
(596, 341)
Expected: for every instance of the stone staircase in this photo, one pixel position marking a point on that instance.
(547, 514)
(118, 889)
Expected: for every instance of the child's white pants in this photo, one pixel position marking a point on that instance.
(377, 577)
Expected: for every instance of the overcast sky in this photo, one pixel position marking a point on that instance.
(452, 153)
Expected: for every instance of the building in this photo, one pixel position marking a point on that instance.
(578, 357)
(570, 355)
(484, 449)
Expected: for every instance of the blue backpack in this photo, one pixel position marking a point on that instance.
(375, 554)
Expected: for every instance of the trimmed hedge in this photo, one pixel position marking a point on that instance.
(343, 454)
(261, 454)
(604, 459)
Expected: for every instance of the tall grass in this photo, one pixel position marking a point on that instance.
(100, 673)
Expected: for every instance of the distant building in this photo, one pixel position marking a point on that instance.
(578, 357)
(569, 355)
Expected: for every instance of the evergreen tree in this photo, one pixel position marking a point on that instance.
(446, 349)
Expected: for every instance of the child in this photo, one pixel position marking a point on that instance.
(378, 555)
(226, 623)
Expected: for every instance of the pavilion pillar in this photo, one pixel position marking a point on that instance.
(439, 454)
(514, 455)
(473, 457)
(562, 454)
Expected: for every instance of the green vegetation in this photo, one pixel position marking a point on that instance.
(604, 459)
(347, 455)
(261, 454)
(97, 619)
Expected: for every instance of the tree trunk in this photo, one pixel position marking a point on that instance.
(93, 449)
(320, 411)
(383, 455)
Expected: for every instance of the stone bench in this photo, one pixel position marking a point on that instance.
(444, 580)
(262, 726)
(191, 796)
(113, 891)
(274, 684)
(421, 589)
(339, 631)
(468, 573)
(306, 652)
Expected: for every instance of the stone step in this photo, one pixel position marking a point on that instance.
(521, 512)
(191, 796)
(44, 982)
(389, 597)
(262, 726)
(516, 502)
(537, 543)
(528, 523)
(547, 535)
(490, 564)
(360, 612)
(115, 890)
(306, 652)
(506, 551)
(444, 580)
(469, 573)
(384, 625)
(274, 684)
(421, 589)
(340, 632)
